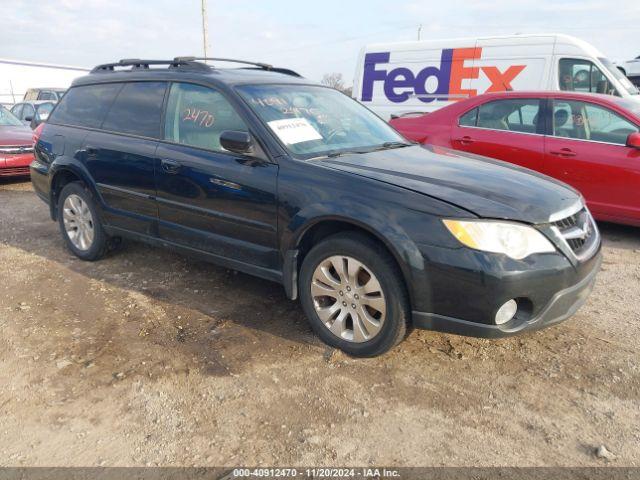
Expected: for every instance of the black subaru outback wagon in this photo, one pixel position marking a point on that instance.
(262, 171)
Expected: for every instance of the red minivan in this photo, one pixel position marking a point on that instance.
(589, 141)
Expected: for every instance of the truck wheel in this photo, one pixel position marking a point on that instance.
(79, 223)
(354, 296)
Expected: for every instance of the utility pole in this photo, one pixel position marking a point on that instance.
(205, 36)
(419, 32)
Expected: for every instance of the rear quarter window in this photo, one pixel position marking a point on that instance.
(137, 110)
(469, 119)
(85, 106)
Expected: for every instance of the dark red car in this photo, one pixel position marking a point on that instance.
(16, 145)
(586, 140)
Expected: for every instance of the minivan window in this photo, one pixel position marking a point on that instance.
(578, 75)
(85, 106)
(137, 109)
(197, 116)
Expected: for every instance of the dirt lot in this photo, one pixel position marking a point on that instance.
(149, 358)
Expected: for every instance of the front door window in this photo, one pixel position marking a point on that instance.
(578, 75)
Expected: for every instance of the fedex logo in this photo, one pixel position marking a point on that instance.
(401, 82)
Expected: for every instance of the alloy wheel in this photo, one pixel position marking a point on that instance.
(78, 222)
(348, 298)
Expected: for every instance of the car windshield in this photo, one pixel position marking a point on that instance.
(618, 75)
(7, 119)
(314, 121)
(44, 109)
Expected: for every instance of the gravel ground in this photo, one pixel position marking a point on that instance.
(149, 358)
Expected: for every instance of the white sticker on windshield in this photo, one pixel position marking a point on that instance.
(294, 130)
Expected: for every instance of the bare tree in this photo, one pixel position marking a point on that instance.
(335, 80)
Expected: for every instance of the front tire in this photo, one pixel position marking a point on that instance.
(354, 295)
(79, 223)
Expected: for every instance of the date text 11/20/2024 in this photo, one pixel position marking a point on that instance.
(316, 473)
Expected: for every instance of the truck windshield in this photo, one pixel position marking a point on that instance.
(618, 75)
(7, 119)
(314, 121)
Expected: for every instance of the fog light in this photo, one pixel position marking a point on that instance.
(506, 312)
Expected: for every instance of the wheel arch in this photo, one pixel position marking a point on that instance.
(61, 176)
(395, 241)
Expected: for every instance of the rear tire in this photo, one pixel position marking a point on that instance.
(79, 223)
(354, 296)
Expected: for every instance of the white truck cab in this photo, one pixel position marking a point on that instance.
(396, 79)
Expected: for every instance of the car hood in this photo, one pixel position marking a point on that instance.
(10, 135)
(488, 188)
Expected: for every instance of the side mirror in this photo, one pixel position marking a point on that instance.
(236, 141)
(633, 140)
(28, 119)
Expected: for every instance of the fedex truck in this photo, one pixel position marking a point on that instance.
(17, 76)
(397, 79)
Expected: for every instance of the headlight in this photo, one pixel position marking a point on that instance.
(515, 240)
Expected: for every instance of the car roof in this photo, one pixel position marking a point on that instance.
(190, 71)
(35, 102)
(48, 89)
(611, 99)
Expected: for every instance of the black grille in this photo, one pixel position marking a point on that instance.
(578, 230)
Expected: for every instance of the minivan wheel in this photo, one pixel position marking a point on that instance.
(79, 223)
(354, 296)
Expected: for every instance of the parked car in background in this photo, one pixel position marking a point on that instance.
(586, 140)
(631, 68)
(265, 172)
(18, 77)
(33, 113)
(394, 79)
(54, 94)
(16, 145)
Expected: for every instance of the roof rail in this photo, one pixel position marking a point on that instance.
(263, 66)
(138, 64)
(190, 63)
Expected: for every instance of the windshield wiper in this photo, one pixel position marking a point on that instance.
(384, 146)
(387, 145)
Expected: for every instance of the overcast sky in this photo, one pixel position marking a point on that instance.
(311, 37)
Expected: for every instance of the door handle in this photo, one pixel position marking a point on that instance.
(170, 166)
(563, 152)
(466, 140)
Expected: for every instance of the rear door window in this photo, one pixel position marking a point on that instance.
(469, 119)
(28, 111)
(514, 115)
(85, 106)
(197, 116)
(137, 110)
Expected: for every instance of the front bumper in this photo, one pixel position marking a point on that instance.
(15, 165)
(561, 306)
